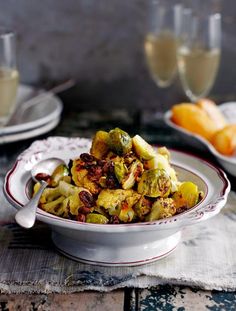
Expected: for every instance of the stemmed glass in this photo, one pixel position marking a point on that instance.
(160, 46)
(198, 53)
(9, 77)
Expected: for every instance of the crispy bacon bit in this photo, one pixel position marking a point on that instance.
(86, 198)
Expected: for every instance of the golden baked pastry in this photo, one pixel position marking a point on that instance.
(205, 119)
(194, 119)
(213, 112)
(224, 140)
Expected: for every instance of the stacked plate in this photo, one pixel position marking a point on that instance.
(32, 117)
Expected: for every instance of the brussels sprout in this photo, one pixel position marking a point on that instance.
(135, 171)
(100, 210)
(96, 218)
(100, 144)
(187, 195)
(158, 161)
(143, 150)
(162, 208)
(154, 183)
(120, 170)
(119, 141)
(60, 172)
(161, 162)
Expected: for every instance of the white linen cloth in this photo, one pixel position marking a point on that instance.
(205, 258)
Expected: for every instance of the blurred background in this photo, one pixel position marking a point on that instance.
(100, 44)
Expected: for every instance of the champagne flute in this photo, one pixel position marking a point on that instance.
(161, 41)
(198, 54)
(9, 76)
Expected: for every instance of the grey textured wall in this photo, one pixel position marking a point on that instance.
(99, 43)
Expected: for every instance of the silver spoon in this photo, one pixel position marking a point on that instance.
(26, 216)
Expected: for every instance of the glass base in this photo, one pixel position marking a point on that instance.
(3, 121)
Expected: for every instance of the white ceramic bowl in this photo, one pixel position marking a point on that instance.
(121, 244)
(229, 111)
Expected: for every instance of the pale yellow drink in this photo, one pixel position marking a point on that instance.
(160, 52)
(9, 80)
(198, 68)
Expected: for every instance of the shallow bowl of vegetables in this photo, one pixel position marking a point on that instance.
(118, 201)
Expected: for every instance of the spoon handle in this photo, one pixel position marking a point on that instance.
(26, 216)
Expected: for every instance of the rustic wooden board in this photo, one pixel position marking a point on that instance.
(85, 301)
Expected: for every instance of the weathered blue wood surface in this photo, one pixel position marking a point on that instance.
(179, 298)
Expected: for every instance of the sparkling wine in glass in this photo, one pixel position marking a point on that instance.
(9, 76)
(161, 41)
(198, 54)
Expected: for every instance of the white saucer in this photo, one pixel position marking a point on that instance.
(45, 113)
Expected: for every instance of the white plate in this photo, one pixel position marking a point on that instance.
(18, 136)
(229, 111)
(122, 244)
(44, 112)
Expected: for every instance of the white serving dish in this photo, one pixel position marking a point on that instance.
(229, 111)
(121, 244)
